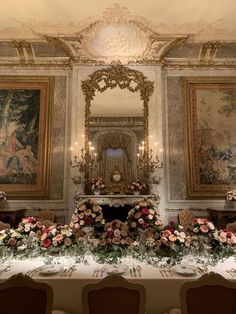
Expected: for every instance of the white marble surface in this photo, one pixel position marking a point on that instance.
(162, 292)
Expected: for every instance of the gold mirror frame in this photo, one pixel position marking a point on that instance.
(122, 77)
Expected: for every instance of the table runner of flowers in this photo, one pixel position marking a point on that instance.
(142, 233)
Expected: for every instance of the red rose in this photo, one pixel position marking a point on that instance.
(170, 229)
(47, 243)
(144, 225)
(87, 220)
(145, 211)
(228, 234)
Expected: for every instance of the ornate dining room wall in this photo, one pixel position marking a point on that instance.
(118, 38)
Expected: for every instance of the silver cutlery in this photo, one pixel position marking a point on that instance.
(4, 270)
(231, 272)
(131, 272)
(134, 272)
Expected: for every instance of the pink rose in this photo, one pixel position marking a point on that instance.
(166, 233)
(138, 215)
(12, 242)
(172, 238)
(58, 238)
(116, 240)
(129, 241)
(67, 242)
(204, 229)
(116, 232)
(133, 224)
(44, 236)
(75, 218)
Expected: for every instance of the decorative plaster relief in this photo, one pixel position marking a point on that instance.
(119, 37)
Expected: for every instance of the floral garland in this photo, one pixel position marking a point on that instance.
(87, 214)
(143, 217)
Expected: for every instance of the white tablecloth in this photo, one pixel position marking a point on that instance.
(162, 293)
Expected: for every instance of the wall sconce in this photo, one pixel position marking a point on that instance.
(148, 162)
(85, 162)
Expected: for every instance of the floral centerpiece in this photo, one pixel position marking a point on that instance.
(137, 186)
(97, 185)
(230, 195)
(87, 214)
(30, 226)
(13, 239)
(112, 242)
(173, 239)
(202, 233)
(202, 226)
(143, 217)
(223, 243)
(55, 237)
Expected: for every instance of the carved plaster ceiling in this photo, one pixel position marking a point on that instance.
(205, 20)
(134, 32)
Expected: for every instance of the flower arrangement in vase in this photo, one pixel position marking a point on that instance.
(3, 199)
(142, 217)
(202, 226)
(87, 214)
(97, 185)
(136, 187)
(115, 233)
(230, 195)
(230, 199)
(3, 196)
(173, 238)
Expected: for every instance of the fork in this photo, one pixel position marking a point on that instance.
(139, 270)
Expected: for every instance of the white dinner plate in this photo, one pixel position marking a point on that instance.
(184, 270)
(48, 270)
(116, 269)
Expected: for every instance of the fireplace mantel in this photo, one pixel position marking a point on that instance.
(116, 200)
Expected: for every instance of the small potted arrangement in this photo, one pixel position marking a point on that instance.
(97, 185)
(230, 199)
(136, 187)
(3, 200)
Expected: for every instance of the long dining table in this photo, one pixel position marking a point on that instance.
(162, 284)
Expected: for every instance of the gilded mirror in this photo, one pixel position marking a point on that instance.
(116, 122)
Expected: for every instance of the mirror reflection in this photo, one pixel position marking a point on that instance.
(116, 130)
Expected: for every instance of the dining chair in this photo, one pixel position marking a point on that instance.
(185, 219)
(4, 226)
(114, 294)
(20, 294)
(173, 311)
(210, 294)
(46, 217)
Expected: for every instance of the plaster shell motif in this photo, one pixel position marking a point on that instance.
(119, 37)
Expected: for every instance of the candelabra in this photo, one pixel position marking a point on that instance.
(84, 164)
(147, 162)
